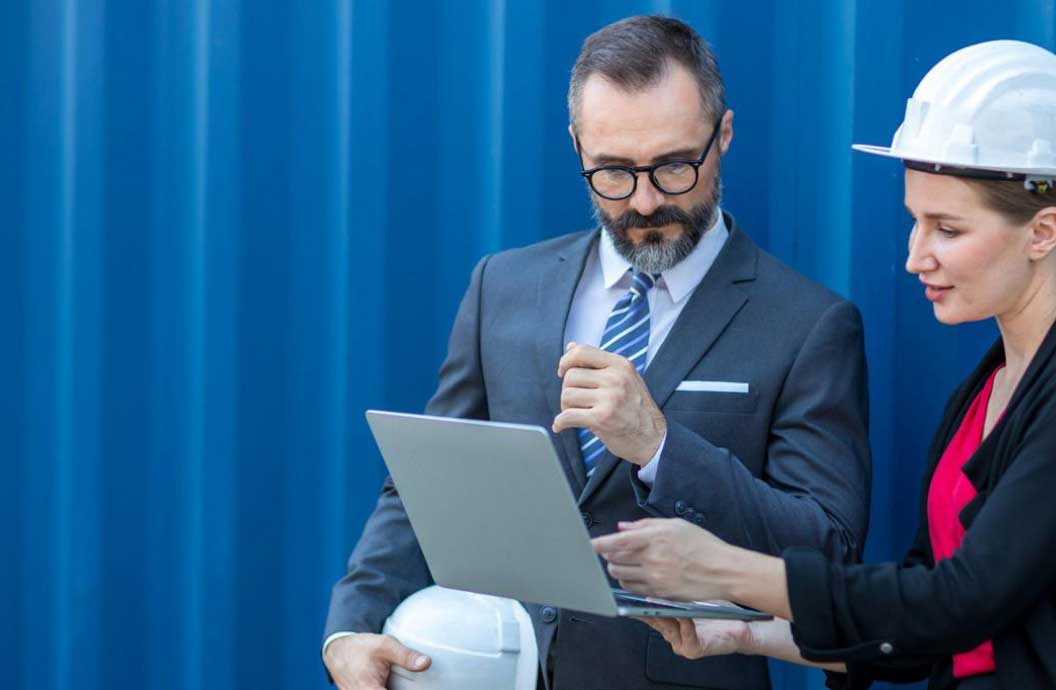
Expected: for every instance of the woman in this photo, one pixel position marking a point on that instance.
(973, 605)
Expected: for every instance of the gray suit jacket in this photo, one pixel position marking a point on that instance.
(785, 464)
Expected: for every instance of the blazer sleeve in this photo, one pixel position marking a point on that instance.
(387, 565)
(815, 486)
(888, 617)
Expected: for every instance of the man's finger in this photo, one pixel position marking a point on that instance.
(580, 377)
(578, 398)
(573, 418)
(396, 653)
(587, 357)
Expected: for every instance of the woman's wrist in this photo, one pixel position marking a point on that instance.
(731, 571)
(754, 579)
(768, 638)
(754, 640)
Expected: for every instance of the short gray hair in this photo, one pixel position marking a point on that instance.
(635, 53)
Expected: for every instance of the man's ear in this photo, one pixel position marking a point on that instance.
(726, 132)
(1042, 233)
(572, 136)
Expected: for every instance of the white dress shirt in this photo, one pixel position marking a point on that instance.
(607, 278)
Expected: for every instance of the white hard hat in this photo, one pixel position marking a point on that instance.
(988, 110)
(476, 642)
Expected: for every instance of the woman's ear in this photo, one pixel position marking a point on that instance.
(1042, 233)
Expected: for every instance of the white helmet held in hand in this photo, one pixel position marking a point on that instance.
(476, 642)
(986, 111)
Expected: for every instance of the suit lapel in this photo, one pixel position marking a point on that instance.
(556, 287)
(711, 307)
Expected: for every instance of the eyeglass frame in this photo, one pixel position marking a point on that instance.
(634, 170)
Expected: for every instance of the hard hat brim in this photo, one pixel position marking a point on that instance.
(884, 151)
(888, 152)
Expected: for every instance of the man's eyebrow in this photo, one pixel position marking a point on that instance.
(609, 159)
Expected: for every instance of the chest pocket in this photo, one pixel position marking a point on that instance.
(729, 401)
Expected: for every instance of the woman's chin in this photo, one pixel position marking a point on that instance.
(948, 315)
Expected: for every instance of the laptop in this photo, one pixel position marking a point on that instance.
(494, 514)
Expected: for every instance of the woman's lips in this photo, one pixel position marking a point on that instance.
(935, 293)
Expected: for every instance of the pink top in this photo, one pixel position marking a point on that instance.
(949, 493)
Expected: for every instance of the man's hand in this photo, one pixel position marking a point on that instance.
(702, 637)
(603, 392)
(362, 661)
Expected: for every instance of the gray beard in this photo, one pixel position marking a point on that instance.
(654, 254)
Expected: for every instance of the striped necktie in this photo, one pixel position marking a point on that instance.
(627, 334)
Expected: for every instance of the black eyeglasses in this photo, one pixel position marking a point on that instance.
(616, 182)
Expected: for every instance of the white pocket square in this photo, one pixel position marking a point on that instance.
(713, 386)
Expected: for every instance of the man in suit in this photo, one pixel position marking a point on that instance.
(683, 371)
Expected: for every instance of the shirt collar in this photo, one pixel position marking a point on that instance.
(681, 278)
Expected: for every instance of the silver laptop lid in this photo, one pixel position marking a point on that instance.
(492, 510)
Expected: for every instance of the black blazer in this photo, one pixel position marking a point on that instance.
(902, 622)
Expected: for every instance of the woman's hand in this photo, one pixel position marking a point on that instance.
(702, 637)
(668, 558)
(699, 638)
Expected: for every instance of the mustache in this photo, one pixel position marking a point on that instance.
(663, 215)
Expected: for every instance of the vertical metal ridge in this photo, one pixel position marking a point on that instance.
(495, 162)
(78, 313)
(374, 240)
(64, 352)
(196, 346)
(835, 216)
(220, 572)
(332, 506)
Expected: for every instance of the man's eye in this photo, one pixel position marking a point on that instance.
(611, 174)
(948, 232)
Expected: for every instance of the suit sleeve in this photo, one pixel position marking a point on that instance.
(814, 489)
(874, 614)
(387, 565)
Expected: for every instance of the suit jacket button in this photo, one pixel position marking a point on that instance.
(681, 508)
(587, 519)
(886, 648)
(549, 614)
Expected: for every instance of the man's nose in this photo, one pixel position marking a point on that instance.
(646, 198)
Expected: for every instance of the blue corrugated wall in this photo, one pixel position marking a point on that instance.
(228, 227)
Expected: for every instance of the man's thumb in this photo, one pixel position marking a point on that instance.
(406, 657)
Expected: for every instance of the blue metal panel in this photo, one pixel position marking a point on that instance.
(230, 227)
